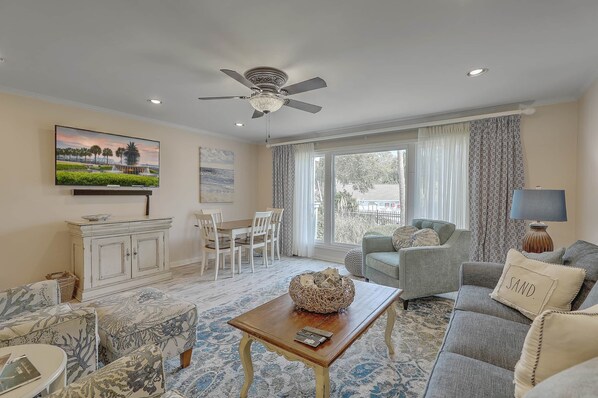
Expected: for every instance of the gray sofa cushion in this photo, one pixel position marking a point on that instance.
(443, 229)
(385, 262)
(580, 378)
(584, 255)
(553, 257)
(477, 299)
(456, 376)
(486, 338)
(591, 299)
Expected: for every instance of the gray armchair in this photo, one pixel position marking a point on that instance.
(33, 314)
(419, 271)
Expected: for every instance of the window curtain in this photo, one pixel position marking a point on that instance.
(303, 213)
(442, 187)
(496, 169)
(283, 187)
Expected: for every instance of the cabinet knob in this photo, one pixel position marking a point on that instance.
(134, 252)
(128, 253)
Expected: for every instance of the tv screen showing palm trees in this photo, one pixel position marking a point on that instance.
(92, 158)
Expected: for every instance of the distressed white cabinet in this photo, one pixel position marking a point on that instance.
(119, 254)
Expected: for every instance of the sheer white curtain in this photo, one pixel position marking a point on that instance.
(442, 180)
(303, 206)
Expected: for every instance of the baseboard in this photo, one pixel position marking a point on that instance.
(180, 263)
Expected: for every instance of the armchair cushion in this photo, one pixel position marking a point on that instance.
(444, 229)
(140, 374)
(385, 262)
(28, 298)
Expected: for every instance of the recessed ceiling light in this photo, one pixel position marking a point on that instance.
(477, 72)
(155, 101)
(239, 124)
(2, 60)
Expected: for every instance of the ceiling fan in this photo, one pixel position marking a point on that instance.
(269, 95)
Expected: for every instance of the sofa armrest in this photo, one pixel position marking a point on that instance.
(138, 374)
(73, 330)
(28, 298)
(481, 274)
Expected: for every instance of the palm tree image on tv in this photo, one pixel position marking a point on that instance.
(132, 154)
(98, 159)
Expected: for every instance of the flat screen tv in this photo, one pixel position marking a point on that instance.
(91, 158)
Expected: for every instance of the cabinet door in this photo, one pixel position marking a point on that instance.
(110, 260)
(148, 253)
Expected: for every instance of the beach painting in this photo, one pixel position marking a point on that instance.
(216, 175)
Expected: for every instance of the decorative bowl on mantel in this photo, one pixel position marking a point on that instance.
(323, 292)
(96, 217)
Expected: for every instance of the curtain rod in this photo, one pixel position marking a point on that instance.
(526, 111)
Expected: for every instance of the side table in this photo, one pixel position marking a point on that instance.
(49, 360)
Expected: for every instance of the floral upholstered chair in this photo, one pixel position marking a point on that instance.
(33, 314)
(139, 374)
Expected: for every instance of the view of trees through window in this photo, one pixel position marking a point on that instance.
(369, 194)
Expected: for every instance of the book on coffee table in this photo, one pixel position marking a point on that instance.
(3, 361)
(16, 373)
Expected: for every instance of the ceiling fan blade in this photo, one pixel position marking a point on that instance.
(307, 85)
(257, 114)
(304, 106)
(219, 98)
(240, 78)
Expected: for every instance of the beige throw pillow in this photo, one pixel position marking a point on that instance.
(401, 237)
(425, 237)
(532, 286)
(556, 341)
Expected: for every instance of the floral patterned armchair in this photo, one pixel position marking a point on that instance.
(139, 374)
(33, 314)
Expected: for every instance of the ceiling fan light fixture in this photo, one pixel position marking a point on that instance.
(266, 102)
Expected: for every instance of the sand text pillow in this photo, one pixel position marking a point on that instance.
(556, 341)
(531, 286)
(401, 237)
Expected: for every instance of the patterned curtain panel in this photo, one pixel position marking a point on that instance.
(283, 182)
(495, 170)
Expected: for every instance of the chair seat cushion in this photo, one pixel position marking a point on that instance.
(456, 376)
(384, 262)
(247, 241)
(477, 299)
(129, 320)
(486, 338)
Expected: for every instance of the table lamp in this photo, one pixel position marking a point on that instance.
(540, 205)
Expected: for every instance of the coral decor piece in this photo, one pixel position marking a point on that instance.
(322, 292)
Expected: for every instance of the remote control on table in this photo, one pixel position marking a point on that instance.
(321, 332)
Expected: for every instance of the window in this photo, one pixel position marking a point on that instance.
(358, 192)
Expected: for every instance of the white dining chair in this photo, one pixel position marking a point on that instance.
(214, 243)
(274, 235)
(216, 212)
(258, 237)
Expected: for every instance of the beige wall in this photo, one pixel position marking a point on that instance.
(549, 139)
(33, 236)
(587, 166)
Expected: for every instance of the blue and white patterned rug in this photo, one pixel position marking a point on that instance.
(364, 370)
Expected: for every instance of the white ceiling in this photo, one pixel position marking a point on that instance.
(382, 59)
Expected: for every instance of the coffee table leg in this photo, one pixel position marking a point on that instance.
(245, 352)
(391, 316)
(322, 382)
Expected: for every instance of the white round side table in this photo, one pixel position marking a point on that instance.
(49, 360)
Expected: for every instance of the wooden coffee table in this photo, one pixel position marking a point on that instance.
(275, 324)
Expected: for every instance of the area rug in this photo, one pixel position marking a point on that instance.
(365, 369)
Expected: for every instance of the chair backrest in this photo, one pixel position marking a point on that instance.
(276, 220)
(261, 223)
(217, 213)
(207, 225)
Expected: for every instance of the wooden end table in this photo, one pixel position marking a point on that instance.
(49, 360)
(275, 324)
